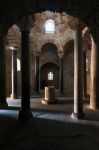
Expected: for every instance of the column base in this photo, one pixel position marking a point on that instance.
(14, 97)
(44, 101)
(77, 116)
(94, 107)
(25, 115)
(3, 105)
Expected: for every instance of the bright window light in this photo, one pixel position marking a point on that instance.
(49, 26)
(12, 48)
(50, 76)
(18, 65)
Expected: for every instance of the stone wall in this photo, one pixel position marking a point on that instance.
(69, 68)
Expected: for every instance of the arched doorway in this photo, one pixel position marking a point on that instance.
(49, 75)
(48, 53)
(49, 66)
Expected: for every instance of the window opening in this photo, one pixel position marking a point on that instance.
(49, 26)
(50, 76)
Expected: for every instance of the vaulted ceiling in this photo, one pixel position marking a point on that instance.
(87, 10)
(11, 10)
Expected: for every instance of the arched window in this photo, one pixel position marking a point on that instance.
(49, 26)
(50, 76)
(18, 65)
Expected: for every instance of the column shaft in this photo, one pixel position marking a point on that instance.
(37, 74)
(14, 74)
(61, 75)
(94, 86)
(78, 75)
(2, 73)
(25, 112)
(25, 72)
(84, 71)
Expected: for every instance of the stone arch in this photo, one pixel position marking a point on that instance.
(68, 44)
(47, 41)
(50, 44)
(48, 54)
(14, 36)
(75, 9)
(71, 7)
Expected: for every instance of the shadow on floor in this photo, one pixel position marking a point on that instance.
(39, 134)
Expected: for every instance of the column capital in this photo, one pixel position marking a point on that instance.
(13, 48)
(60, 54)
(36, 53)
(26, 23)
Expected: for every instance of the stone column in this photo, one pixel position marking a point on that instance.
(14, 74)
(94, 82)
(25, 112)
(84, 72)
(78, 76)
(37, 73)
(2, 72)
(60, 54)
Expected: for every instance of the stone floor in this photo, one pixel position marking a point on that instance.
(51, 128)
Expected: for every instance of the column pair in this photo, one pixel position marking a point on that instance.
(78, 76)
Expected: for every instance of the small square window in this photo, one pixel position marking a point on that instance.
(50, 76)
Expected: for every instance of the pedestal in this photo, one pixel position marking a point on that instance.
(49, 95)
